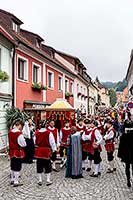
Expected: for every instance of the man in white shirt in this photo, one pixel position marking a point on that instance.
(16, 151)
(97, 140)
(109, 145)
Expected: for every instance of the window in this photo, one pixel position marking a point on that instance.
(15, 26)
(81, 89)
(22, 69)
(50, 79)
(36, 73)
(66, 85)
(77, 87)
(60, 83)
(84, 91)
(71, 87)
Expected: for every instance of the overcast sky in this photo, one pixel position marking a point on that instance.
(99, 32)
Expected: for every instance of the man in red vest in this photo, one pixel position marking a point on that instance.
(45, 145)
(54, 130)
(96, 139)
(81, 128)
(87, 144)
(64, 133)
(109, 145)
(16, 152)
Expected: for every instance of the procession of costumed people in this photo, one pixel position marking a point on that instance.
(78, 147)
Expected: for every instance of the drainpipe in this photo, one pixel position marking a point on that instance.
(13, 75)
(88, 98)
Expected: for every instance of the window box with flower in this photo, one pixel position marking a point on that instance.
(3, 76)
(38, 87)
(68, 94)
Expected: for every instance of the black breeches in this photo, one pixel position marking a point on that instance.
(84, 155)
(110, 156)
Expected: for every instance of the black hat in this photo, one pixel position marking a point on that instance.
(87, 121)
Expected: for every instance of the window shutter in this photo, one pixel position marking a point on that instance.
(25, 71)
(39, 75)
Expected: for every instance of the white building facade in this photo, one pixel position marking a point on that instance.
(80, 87)
(6, 53)
(129, 76)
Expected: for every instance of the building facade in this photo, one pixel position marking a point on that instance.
(129, 76)
(6, 93)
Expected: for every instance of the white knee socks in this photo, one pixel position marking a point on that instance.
(96, 168)
(48, 177)
(16, 177)
(40, 177)
(12, 176)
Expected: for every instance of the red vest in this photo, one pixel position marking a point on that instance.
(101, 128)
(109, 144)
(86, 145)
(93, 139)
(55, 132)
(65, 134)
(80, 128)
(15, 150)
(43, 148)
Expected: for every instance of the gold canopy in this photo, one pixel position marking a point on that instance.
(60, 105)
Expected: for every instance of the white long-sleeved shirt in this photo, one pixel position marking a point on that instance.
(98, 136)
(58, 140)
(51, 139)
(21, 140)
(109, 134)
(86, 137)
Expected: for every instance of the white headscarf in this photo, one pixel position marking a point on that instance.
(26, 130)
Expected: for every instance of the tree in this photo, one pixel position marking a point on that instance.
(113, 99)
(13, 114)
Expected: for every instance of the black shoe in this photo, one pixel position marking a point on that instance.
(49, 183)
(17, 184)
(83, 168)
(109, 171)
(88, 169)
(99, 173)
(55, 170)
(94, 175)
(114, 169)
(40, 183)
(12, 182)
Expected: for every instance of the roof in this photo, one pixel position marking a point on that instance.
(131, 59)
(9, 17)
(71, 56)
(60, 105)
(30, 35)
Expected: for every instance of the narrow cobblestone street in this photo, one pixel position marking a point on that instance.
(106, 187)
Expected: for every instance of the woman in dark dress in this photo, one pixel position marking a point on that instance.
(29, 135)
(125, 151)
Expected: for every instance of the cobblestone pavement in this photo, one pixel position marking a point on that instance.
(107, 187)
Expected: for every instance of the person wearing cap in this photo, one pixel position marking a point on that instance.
(16, 151)
(109, 138)
(96, 139)
(87, 144)
(64, 133)
(54, 130)
(81, 128)
(45, 145)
